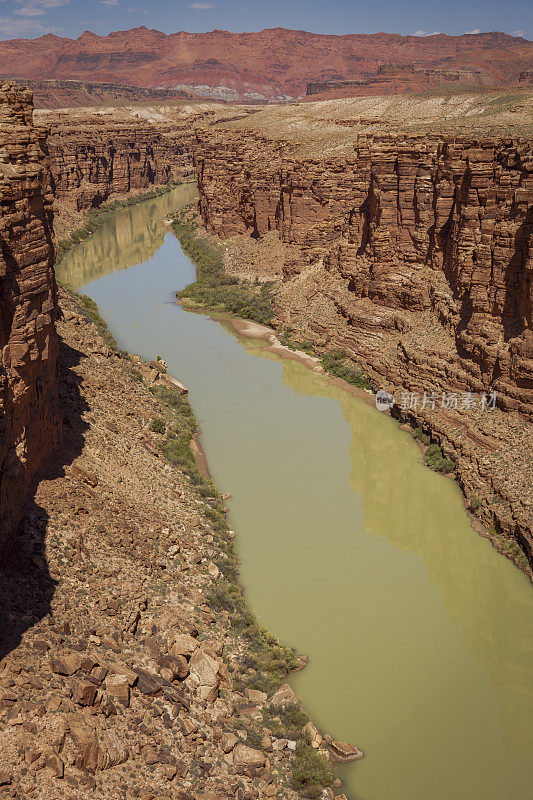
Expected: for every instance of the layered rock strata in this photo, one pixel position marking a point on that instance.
(274, 64)
(98, 153)
(105, 157)
(414, 254)
(29, 421)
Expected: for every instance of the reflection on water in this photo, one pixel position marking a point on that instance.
(128, 237)
(419, 634)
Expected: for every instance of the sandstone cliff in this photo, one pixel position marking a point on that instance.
(28, 341)
(95, 153)
(414, 254)
(412, 224)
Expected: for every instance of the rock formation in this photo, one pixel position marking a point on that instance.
(408, 225)
(28, 378)
(273, 64)
(107, 157)
(96, 154)
(63, 94)
(414, 254)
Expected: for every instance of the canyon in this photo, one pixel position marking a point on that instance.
(99, 153)
(409, 249)
(113, 634)
(397, 230)
(272, 65)
(412, 253)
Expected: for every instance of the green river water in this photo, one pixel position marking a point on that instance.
(419, 635)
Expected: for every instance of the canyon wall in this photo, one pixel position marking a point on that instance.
(408, 225)
(95, 153)
(65, 93)
(99, 156)
(29, 423)
(413, 253)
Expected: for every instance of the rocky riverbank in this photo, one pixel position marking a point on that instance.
(129, 657)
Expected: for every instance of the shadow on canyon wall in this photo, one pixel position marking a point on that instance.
(26, 585)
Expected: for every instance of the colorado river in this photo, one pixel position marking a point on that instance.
(419, 635)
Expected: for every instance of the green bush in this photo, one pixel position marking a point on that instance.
(287, 722)
(311, 772)
(474, 504)
(335, 363)
(436, 460)
(158, 425)
(287, 340)
(214, 289)
(509, 547)
(92, 312)
(421, 436)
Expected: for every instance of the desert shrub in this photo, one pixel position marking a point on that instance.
(421, 436)
(509, 547)
(214, 289)
(311, 772)
(267, 660)
(288, 341)
(91, 311)
(436, 460)
(287, 722)
(336, 364)
(474, 504)
(158, 425)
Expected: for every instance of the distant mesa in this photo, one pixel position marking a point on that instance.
(272, 65)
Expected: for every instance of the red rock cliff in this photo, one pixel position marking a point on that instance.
(271, 64)
(102, 157)
(406, 225)
(29, 422)
(97, 153)
(414, 255)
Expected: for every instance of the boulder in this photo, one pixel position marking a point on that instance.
(247, 761)
(255, 696)
(65, 664)
(54, 763)
(284, 697)
(183, 645)
(313, 735)
(228, 741)
(204, 676)
(117, 687)
(111, 750)
(84, 693)
(343, 752)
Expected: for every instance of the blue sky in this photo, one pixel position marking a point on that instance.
(30, 18)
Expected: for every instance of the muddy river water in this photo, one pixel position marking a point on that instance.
(419, 635)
